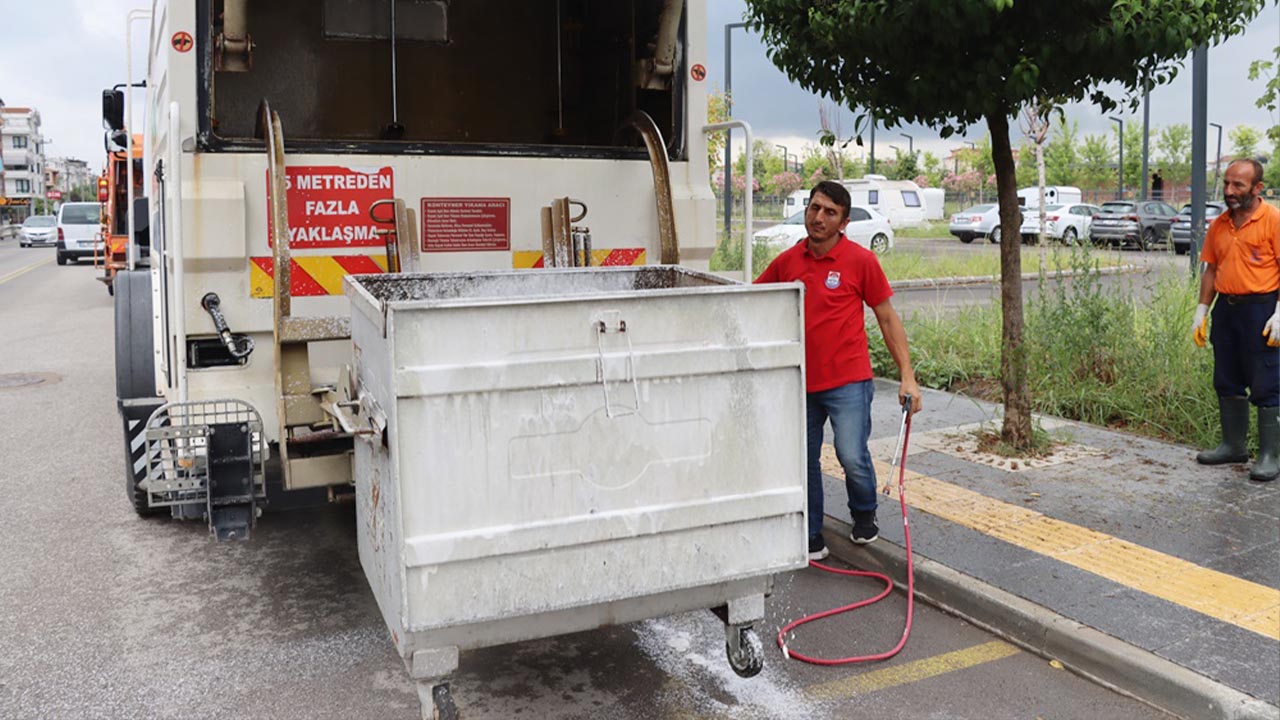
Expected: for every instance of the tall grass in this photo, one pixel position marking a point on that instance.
(1093, 354)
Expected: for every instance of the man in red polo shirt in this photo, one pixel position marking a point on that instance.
(839, 276)
(1242, 268)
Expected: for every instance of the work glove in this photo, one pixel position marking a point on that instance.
(1200, 326)
(1271, 331)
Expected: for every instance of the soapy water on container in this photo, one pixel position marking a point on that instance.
(690, 649)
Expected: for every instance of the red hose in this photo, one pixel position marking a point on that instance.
(911, 584)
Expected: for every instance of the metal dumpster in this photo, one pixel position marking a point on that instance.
(544, 452)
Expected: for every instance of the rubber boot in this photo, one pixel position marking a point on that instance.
(1267, 466)
(1233, 413)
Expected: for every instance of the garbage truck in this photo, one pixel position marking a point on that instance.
(449, 261)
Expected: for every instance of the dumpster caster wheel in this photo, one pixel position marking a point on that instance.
(747, 659)
(443, 707)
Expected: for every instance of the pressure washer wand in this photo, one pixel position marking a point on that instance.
(898, 462)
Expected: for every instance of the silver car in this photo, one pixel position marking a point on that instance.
(38, 230)
(1145, 223)
(1181, 228)
(977, 221)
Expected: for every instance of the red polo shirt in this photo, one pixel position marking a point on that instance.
(835, 287)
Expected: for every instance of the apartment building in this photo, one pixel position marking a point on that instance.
(22, 156)
(67, 174)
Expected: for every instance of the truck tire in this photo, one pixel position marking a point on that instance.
(135, 381)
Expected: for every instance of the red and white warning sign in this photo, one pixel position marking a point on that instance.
(329, 205)
(456, 224)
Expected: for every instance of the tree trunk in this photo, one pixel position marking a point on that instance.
(1016, 431)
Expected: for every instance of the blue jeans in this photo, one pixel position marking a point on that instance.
(849, 407)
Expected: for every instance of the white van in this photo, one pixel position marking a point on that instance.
(79, 230)
(898, 200)
(1053, 195)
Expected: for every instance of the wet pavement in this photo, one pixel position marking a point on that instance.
(1120, 533)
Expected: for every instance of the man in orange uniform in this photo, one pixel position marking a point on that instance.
(1242, 257)
(840, 277)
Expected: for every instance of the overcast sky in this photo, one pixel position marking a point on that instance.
(58, 56)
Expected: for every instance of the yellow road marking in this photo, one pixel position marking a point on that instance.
(896, 675)
(25, 270)
(1230, 599)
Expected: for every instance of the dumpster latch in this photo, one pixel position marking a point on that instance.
(611, 330)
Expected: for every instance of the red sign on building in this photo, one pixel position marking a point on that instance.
(329, 205)
(466, 224)
(53, 195)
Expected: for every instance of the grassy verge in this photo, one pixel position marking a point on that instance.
(908, 265)
(934, 229)
(1093, 355)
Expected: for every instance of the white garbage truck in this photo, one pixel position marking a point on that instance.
(448, 260)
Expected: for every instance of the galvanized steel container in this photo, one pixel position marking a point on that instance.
(556, 450)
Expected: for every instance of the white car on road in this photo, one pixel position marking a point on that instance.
(866, 227)
(1067, 223)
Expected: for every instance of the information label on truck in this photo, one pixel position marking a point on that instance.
(329, 205)
(460, 224)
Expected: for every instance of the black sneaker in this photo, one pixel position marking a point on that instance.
(864, 528)
(818, 548)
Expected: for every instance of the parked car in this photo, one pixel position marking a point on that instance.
(1066, 223)
(79, 230)
(977, 221)
(1181, 228)
(38, 230)
(1145, 223)
(866, 227)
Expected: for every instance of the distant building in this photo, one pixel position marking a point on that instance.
(66, 174)
(23, 157)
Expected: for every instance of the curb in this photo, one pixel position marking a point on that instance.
(1088, 652)
(989, 279)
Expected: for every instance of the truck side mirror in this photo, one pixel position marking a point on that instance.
(113, 109)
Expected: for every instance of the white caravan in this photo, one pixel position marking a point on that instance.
(898, 200)
(1053, 195)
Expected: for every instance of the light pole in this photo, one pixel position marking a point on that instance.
(1217, 158)
(784, 156)
(1120, 164)
(728, 135)
(871, 166)
(911, 143)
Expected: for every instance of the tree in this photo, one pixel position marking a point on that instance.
(717, 111)
(1174, 144)
(904, 165)
(1060, 153)
(1132, 157)
(1097, 162)
(1269, 71)
(1034, 123)
(931, 167)
(1244, 140)
(868, 54)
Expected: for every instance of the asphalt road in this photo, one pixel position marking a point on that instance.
(105, 615)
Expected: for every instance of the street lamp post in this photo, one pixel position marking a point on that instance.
(972, 146)
(911, 143)
(728, 135)
(784, 156)
(1217, 158)
(1120, 164)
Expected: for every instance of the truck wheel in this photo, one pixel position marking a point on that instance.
(135, 380)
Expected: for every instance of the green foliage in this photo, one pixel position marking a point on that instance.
(932, 169)
(1060, 154)
(1097, 162)
(904, 165)
(1028, 171)
(717, 111)
(1269, 72)
(1174, 144)
(1244, 140)
(1094, 355)
(1133, 155)
(868, 54)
